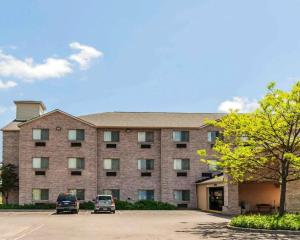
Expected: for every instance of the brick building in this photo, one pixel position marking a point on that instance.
(130, 155)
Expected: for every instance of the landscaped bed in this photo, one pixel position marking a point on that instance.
(288, 221)
(120, 205)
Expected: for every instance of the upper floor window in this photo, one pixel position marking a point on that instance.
(76, 135)
(145, 164)
(79, 193)
(145, 136)
(40, 134)
(111, 164)
(181, 164)
(40, 194)
(40, 162)
(114, 192)
(213, 135)
(180, 136)
(76, 163)
(146, 194)
(111, 136)
(182, 195)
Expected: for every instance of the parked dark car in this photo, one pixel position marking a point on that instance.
(67, 202)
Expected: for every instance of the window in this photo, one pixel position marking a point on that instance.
(146, 194)
(76, 135)
(213, 166)
(40, 162)
(145, 136)
(111, 136)
(146, 164)
(181, 164)
(79, 193)
(40, 134)
(180, 136)
(111, 164)
(114, 192)
(212, 136)
(76, 163)
(40, 194)
(182, 195)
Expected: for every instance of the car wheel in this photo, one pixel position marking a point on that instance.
(57, 212)
(113, 212)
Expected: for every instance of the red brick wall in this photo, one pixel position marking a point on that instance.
(58, 178)
(169, 179)
(94, 180)
(128, 150)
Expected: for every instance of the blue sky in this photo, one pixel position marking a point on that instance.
(150, 55)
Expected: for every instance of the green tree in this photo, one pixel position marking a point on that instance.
(8, 180)
(265, 144)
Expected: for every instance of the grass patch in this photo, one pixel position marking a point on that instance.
(288, 221)
(120, 205)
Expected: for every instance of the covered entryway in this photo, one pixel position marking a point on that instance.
(217, 195)
(259, 196)
(216, 198)
(220, 194)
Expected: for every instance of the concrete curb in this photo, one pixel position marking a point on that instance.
(288, 232)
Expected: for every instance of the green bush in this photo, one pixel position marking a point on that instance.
(273, 222)
(87, 205)
(120, 205)
(28, 206)
(144, 205)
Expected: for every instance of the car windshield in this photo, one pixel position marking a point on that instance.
(104, 198)
(66, 197)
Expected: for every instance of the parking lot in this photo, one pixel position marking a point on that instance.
(135, 225)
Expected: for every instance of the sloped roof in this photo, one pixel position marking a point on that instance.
(217, 179)
(134, 120)
(150, 119)
(12, 126)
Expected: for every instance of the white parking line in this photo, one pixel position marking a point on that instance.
(27, 233)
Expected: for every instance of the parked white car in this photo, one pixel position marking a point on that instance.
(104, 203)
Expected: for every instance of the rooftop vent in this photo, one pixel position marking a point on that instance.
(26, 110)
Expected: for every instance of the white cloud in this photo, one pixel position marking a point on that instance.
(51, 67)
(241, 104)
(11, 66)
(8, 84)
(85, 55)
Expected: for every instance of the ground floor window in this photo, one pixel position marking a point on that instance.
(146, 194)
(114, 192)
(79, 193)
(40, 194)
(182, 195)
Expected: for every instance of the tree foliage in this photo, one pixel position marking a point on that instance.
(8, 180)
(265, 144)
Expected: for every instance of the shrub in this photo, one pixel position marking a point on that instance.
(273, 222)
(144, 205)
(28, 206)
(120, 205)
(87, 205)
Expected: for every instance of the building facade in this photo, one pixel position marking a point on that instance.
(133, 156)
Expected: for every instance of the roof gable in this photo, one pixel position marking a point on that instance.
(56, 111)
